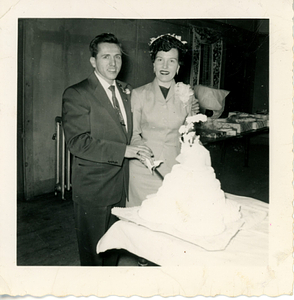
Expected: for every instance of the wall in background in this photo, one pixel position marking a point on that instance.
(260, 99)
(53, 54)
(246, 64)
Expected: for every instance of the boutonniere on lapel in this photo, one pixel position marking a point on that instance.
(183, 92)
(126, 90)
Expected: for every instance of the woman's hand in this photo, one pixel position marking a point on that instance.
(195, 109)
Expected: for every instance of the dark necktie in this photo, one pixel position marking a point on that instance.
(116, 107)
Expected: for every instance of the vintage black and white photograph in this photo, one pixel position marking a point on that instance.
(187, 164)
(144, 144)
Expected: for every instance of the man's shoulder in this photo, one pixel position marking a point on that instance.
(79, 85)
(90, 81)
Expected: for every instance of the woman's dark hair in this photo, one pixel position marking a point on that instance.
(165, 43)
(103, 38)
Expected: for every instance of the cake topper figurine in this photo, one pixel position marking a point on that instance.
(188, 132)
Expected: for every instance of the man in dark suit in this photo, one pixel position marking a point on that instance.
(97, 124)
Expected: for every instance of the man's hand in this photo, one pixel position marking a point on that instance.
(139, 152)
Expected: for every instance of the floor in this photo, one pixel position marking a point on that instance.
(45, 226)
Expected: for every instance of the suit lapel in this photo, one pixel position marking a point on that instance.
(171, 91)
(158, 94)
(101, 96)
(127, 105)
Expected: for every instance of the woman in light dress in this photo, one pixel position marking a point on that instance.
(159, 109)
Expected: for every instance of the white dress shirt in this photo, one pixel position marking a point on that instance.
(106, 85)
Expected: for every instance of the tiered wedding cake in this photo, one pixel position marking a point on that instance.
(190, 198)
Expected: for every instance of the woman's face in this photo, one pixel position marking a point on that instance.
(166, 65)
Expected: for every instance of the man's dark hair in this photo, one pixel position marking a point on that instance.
(166, 43)
(103, 38)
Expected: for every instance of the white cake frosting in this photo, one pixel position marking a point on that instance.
(190, 198)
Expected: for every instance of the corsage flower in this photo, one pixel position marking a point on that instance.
(183, 92)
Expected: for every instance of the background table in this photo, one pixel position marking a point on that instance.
(245, 136)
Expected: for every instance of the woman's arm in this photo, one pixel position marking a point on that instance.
(195, 109)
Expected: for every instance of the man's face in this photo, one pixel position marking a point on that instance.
(166, 65)
(108, 61)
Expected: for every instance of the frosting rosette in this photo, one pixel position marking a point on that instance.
(183, 92)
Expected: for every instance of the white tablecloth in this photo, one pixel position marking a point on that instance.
(248, 247)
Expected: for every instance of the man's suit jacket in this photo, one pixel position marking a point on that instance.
(97, 141)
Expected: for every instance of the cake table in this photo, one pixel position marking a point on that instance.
(248, 247)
